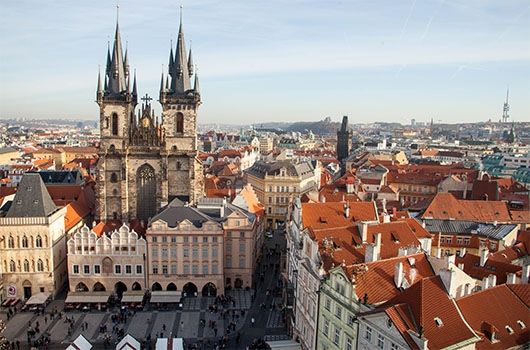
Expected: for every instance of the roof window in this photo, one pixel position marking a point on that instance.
(509, 330)
(521, 324)
(438, 322)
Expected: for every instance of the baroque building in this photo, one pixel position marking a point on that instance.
(145, 162)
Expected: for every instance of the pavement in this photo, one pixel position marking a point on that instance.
(268, 321)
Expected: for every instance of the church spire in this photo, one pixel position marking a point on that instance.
(190, 62)
(117, 81)
(107, 69)
(171, 58)
(180, 82)
(196, 82)
(100, 88)
(135, 88)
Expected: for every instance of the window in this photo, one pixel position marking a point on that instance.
(350, 320)
(521, 324)
(349, 344)
(186, 239)
(154, 252)
(139, 269)
(195, 239)
(186, 269)
(336, 336)
(242, 247)
(117, 269)
(241, 234)
(173, 269)
(214, 252)
(75, 269)
(242, 262)
(128, 269)
(10, 242)
(86, 269)
(328, 304)
(326, 327)
(186, 252)
(155, 269)
(38, 242)
(164, 269)
(40, 265)
(204, 252)
(24, 242)
(394, 347)
(114, 124)
(338, 312)
(173, 239)
(195, 252)
(97, 269)
(509, 330)
(228, 261)
(113, 178)
(155, 239)
(214, 239)
(368, 334)
(205, 240)
(180, 122)
(438, 322)
(26, 266)
(380, 341)
(164, 253)
(195, 269)
(215, 268)
(205, 269)
(173, 252)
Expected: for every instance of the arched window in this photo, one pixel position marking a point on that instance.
(180, 122)
(26, 266)
(38, 242)
(12, 266)
(178, 166)
(114, 192)
(40, 265)
(113, 178)
(114, 124)
(11, 242)
(24, 242)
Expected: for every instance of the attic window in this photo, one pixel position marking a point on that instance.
(35, 201)
(438, 322)
(521, 324)
(19, 201)
(395, 237)
(323, 220)
(509, 330)
(29, 188)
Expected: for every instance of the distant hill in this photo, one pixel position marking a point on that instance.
(322, 127)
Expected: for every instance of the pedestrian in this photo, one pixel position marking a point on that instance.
(252, 321)
(164, 327)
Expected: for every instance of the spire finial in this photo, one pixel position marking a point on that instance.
(180, 27)
(117, 10)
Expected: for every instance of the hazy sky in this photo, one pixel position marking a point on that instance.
(278, 60)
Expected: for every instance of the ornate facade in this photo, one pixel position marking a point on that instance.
(144, 163)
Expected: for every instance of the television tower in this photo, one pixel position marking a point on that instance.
(506, 108)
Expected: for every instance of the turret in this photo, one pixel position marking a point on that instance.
(190, 63)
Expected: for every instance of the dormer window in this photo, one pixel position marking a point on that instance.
(438, 322)
(521, 324)
(509, 330)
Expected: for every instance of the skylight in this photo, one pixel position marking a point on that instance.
(438, 322)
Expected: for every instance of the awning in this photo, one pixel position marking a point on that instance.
(87, 297)
(80, 343)
(133, 296)
(38, 299)
(10, 302)
(284, 345)
(165, 296)
(169, 344)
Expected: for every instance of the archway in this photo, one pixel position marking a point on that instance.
(119, 288)
(171, 286)
(146, 192)
(156, 286)
(27, 289)
(81, 287)
(98, 287)
(209, 290)
(189, 290)
(238, 283)
(136, 286)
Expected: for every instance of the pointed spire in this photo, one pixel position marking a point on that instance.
(107, 69)
(126, 61)
(180, 26)
(100, 89)
(196, 82)
(171, 58)
(190, 62)
(162, 89)
(117, 82)
(135, 88)
(180, 82)
(167, 83)
(128, 84)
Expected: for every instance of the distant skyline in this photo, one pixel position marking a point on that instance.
(274, 60)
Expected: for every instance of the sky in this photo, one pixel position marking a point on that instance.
(278, 60)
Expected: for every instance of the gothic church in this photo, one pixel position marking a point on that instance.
(144, 162)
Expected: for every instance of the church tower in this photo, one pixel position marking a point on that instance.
(344, 141)
(180, 103)
(145, 163)
(116, 99)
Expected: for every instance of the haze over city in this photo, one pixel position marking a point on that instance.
(279, 60)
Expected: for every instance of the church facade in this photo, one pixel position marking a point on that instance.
(145, 162)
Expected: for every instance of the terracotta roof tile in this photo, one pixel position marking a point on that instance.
(491, 267)
(498, 307)
(331, 215)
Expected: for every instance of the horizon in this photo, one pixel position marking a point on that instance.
(387, 61)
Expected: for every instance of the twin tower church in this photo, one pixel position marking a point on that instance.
(145, 161)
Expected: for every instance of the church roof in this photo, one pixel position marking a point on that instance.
(31, 199)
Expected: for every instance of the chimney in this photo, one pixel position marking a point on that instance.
(524, 274)
(485, 283)
(467, 289)
(322, 198)
(423, 224)
(510, 279)
(461, 266)
(438, 252)
(484, 252)
(346, 210)
(495, 223)
(450, 259)
(364, 231)
(349, 188)
(386, 218)
(492, 280)
(394, 212)
(383, 202)
(448, 277)
(373, 250)
(398, 274)
(463, 252)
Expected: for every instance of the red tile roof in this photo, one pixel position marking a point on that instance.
(446, 206)
(491, 267)
(417, 308)
(106, 226)
(498, 307)
(376, 279)
(331, 215)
